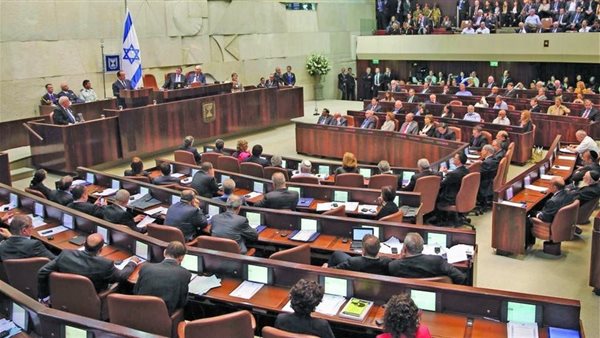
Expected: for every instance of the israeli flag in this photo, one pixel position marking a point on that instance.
(131, 61)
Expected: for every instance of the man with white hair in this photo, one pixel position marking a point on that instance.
(63, 115)
(280, 197)
(424, 170)
(197, 76)
(585, 143)
(384, 167)
(230, 224)
(305, 169)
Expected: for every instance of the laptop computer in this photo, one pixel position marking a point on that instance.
(357, 236)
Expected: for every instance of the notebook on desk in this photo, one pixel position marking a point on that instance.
(305, 202)
(145, 202)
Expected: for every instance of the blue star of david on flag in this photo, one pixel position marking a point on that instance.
(127, 54)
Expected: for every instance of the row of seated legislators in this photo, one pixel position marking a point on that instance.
(406, 17)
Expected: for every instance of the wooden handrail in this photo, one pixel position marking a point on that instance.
(33, 131)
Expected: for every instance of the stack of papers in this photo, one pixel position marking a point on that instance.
(371, 209)
(106, 192)
(522, 330)
(157, 210)
(458, 253)
(568, 158)
(356, 309)
(7, 325)
(246, 290)
(330, 305)
(147, 220)
(126, 261)
(473, 156)
(350, 206)
(80, 182)
(200, 285)
(567, 150)
(547, 177)
(177, 175)
(303, 235)
(536, 188)
(392, 242)
(513, 204)
(53, 231)
(36, 221)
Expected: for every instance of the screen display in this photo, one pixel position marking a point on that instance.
(213, 210)
(259, 187)
(194, 171)
(90, 178)
(283, 163)
(38, 209)
(172, 168)
(406, 175)
(425, 300)
(366, 172)
(542, 170)
(224, 178)
(520, 312)
(509, 194)
(209, 149)
(296, 189)
(359, 233)
(104, 233)
(375, 229)
(190, 263)
(397, 200)
(175, 199)
(324, 169)
(307, 224)
(68, 221)
(115, 184)
(526, 181)
(253, 219)
(340, 196)
(144, 191)
(14, 200)
(74, 332)
(258, 274)
(335, 286)
(141, 250)
(19, 316)
(436, 239)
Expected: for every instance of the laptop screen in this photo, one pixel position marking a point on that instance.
(359, 233)
(406, 175)
(366, 172)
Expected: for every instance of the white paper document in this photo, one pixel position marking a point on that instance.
(561, 167)
(252, 194)
(246, 290)
(106, 192)
(79, 182)
(392, 242)
(126, 261)
(473, 156)
(522, 330)
(536, 188)
(547, 177)
(568, 158)
(156, 210)
(430, 250)
(513, 204)
(567, 150)
(458, 253)
(36, 221)
(135, 197)
(147, 220)
(177, 175)
(187, 180)
(303, 235)
(200, 285)
(330, 305)
(324, 206)
(351, 206)
(53, 231)
(7, 207)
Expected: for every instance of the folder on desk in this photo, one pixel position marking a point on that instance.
(555, 332)
(303, 235)
(145, 202)
(356, 309)
(305, 202)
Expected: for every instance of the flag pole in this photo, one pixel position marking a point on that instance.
(103, 67)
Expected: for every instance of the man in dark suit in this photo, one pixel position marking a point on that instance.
(374, 105)
(511, 92)
(443, 132)
(175, 81)
(413, 264)
(367, 84)
(489, 168)
(535, 107)
(325, 118)
(369, 122)
(350, 85)
(338, 120)
(490, 83)
(188, 145)
(562, 18)
(369, 262)
(62, 195)
(398, 109)
(386, 200)
(233, 226)
(63, 115)
(87, 263)
(20, 244)
(204, 181)
(378, 82)
(289, 78)
(121, 84)
(554, 29)
(80, 202)
(196, 77)
(423, 24)
(257, 151)
(477, 141)
(589, 159)
(499, 152)
(589, 192)
(165, 175)
(424, 170)
(166, 280)
(272, 82)
(452, 181)
(186, 215)
(411, 96)
(228, 189)
(65, 91)
(410, 126)
(589, 112)
(506, 79)
(49, 98)
(342, 83)
(575, 19)
(117, 212)
(280, 197)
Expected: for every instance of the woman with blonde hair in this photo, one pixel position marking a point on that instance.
(429, 127)
(389, 124)
(242, 152)
(526, 123)
(349, 164)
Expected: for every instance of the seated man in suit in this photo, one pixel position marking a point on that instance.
(257, 151)
(175, 81)
(589, 163)
(511, 92)
(478, 140)
(62, 195)
(230, 225)
(80, 202)
(409, 126)
(386, 200)
(65, 91)
(489, 168)
(166, 280)
(117, 212)
(432, 99)
(186, 215)
(443, 132)
(137, 168)
(188, 145)
(374, 105)
(196, 77)
(398, 107)
(411, 96)
(219, 146)
(228, 189)
(499, 152)
(63, 115)
(424, 170)
(414, 264)
(589, 112)
(384, 167)
(272, 81)
(369, 122)
(49, 98)
(121, 84)
(471, 114)
(204, 181)
(369, 262)
(325, 118)
(87, 263)
(590, 191)
(165, 175)
(451, 183)
(499, 103)
(280, 197)
(534, 106)
(19, 243)
(338, 120)
(494, 92)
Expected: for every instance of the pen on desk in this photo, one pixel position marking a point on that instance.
(46, 232)
(492, 319)
(386, 245)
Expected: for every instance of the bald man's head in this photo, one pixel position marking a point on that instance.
(122, 197)
(94, 243)
(278, 180)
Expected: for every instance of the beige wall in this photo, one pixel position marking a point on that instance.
(58, 40)
(566, 47)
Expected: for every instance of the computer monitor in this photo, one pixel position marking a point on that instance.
(307, 224)
(209, 149)
(213, 210)
(224, 178)
(324, 169)
(258, 274)
(194, 172)
(337, 286)
(359, 232)
(296, 189)
(14, 200)
(424, 300)
(38, 209)
(144, 191)
(508, 194)
(192, 263)
(542, 170)
(115, 184)
(366, 172)
(90, 178)
(254, 219)
(526, 181)
(141, 250)
(104, 233)
(175, 199)
(435, 238)
(283, 163)
(406, 176)
(68, 221)
(376, 230)
(75, 332)
(258, 187)
(520, 312)
(172, 168)
(19, 316)
(340, 196)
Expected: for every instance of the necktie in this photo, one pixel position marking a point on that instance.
(71, 117)
(404, 127)
(586, 114)
(51, 97)
(123, 84)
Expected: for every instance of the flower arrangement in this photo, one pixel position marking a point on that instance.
(317, 64)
